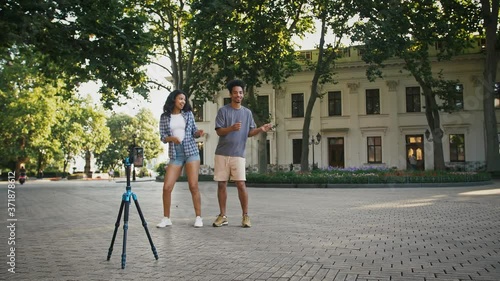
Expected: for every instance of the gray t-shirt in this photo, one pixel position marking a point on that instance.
(234, 143)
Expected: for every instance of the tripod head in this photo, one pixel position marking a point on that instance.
(136, 157)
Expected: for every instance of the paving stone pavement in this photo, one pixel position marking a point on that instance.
(64, 229)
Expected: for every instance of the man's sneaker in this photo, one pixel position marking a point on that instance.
(245, 221)
(198, 222)
(164, 222)
(220, 221)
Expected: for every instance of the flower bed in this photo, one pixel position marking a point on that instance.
(367, 176)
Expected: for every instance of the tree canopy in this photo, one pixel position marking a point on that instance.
(408, 30)
(125, 131)
(79, 41)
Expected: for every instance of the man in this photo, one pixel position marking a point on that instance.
(234, 124)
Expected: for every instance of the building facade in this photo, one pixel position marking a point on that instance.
(363, 123)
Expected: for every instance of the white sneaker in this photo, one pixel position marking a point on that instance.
(164, 222)
(198, 222)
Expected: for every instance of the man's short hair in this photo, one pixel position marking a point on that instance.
(233, 83)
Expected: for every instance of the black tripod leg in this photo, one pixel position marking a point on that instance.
(117, 224)
(125, 228)
(145, 224)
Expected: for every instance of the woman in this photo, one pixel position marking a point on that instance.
(178, 129)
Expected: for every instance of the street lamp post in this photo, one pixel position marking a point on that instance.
(133, 149)
(314, 142)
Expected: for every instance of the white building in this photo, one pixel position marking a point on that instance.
(365, 123)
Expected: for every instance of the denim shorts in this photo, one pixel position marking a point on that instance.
(180, 158)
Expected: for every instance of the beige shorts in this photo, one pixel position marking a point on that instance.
(229, 168)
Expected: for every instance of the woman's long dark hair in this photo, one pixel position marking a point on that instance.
(170, 102)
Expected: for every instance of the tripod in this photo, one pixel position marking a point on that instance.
(126, 203)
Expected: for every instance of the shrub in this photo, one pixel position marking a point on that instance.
(76, 176)
(367, 176)
(161, 169)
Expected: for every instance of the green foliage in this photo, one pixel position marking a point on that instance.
(44, 123)
(80, 41)
(125, 131)
(143, 172)
(160, 169)
(250, 40)
(408, 30)
(28, 104)
(148, 133)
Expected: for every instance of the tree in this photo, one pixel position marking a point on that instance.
(28, 105)
(96, 134)
(251, 41)
(125, 130)
(489, 12)
(70, 127)
(407, 30)
(149, 134)
(80, 41)
(120, 127)
(334, 17)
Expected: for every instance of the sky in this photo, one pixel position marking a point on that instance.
(154, 103)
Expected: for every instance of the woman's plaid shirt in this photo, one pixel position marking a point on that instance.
(190, 147)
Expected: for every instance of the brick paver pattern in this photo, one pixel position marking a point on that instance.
(64, 230)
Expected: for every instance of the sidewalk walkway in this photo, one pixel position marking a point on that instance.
(64, 228)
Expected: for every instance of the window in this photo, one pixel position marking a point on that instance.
(346, 52)
(372, 101)
(297, 105)
(334, 103)
(198, 110)
(481, 43)
(307, 55)
(412, 99)
(374, 149)
(361, 51)
(496, 93)
(227, 101)
(438, 45)
(498, 136)
(268, 151)
(297, 150)
(263, 102)
(457, 148)
(458, 99)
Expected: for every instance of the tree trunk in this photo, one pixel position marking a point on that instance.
(490, 69)
(65, 166)
(304, 159)
(434, 122)
(88, 157)
(437, 144)
(39, 167)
